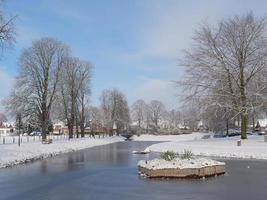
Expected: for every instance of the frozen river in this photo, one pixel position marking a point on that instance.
(110, 173)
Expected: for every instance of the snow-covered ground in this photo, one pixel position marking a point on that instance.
(12, 154)
(252, 148)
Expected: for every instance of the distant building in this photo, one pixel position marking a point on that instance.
(60, 128)
(6, 129)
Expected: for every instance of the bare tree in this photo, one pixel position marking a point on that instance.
(93, 117)
(157, 110)
(174, 118)
(115, 109)
(147, 117)
(138, 111)
(7, 29)
(84, 92)
(37, 81)
(190, 116)
(226, 67)
(218, 118)
(74, 83)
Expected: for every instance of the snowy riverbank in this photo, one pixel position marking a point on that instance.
(12, 154)
(252, 148)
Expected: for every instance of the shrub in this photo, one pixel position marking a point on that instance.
(168, 155)
(186, 154)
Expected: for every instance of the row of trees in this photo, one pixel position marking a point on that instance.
(50, 78)
(113, 110)
(225, 82)
(155, 115)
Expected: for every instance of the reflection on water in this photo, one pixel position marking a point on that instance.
(110, 172)
(43, 167)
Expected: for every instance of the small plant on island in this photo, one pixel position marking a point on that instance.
(169, 155)
(186, 154)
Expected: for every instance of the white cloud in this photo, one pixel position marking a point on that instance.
(168, 28)
(156, 89)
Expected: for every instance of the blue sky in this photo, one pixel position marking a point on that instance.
(134, 45)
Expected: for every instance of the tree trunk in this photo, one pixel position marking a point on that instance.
(244, 114)
(82, 129)
(82, 118)
(70, 127)
(253, 122)
(77, 129)
(244, 121)
(44, 125)
(227, 127)
(72, 114)
(76, 123)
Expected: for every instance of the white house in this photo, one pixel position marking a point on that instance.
(5, 131)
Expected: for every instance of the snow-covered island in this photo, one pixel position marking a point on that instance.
(181, 168)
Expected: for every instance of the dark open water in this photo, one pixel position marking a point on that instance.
(110, 173)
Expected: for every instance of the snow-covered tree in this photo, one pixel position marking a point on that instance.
(115, 109)
(37, 81)
(157, 111)
(84, 93)
(174, 118)
(226, 66)
(74, 92)
(93, 116)
(138, 111)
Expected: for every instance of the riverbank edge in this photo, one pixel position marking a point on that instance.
(43, 156)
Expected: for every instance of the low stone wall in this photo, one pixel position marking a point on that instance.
(183, 173)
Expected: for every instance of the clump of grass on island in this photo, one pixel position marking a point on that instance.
(187, 154)
(171, 155)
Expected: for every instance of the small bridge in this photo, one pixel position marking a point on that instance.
(127, 136)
